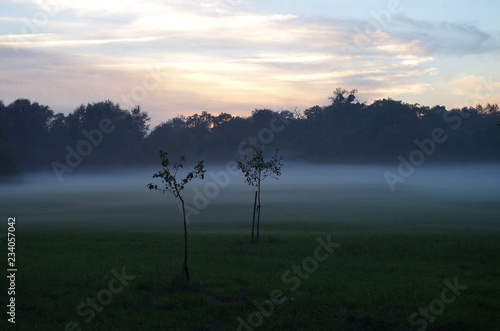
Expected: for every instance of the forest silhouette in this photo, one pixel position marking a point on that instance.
(34, 137)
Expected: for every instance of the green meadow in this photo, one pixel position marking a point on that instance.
(109, 258)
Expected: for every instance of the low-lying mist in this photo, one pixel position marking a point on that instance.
(311, 193)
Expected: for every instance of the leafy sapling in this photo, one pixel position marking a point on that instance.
(256, 170)
(175, 186)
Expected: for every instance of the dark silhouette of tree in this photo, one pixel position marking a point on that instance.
(262, 117)
(175, 186)
(339, 98)
(174, 136)
(256, 170)
(8, 165)
(343, 131)
(123, 145)
(27, 124)
(222, 118)
(202, 122)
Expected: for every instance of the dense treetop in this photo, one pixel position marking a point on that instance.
(33, 137)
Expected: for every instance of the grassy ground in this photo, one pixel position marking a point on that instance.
(350, 208)
(372, 281)
(396, 256)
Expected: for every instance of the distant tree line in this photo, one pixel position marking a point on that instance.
(33, 137)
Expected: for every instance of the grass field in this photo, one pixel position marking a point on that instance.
(370, 282)
(121, 248)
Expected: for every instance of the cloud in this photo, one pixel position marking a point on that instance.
(220, 55)
(31, 42)
(468, 85)
(449, 38)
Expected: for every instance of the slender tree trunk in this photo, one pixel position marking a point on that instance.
(186, 271)
(253, 217)
(258, 213)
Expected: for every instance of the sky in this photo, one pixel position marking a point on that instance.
(178, 57)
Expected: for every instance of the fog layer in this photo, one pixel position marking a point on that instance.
(446, 197)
